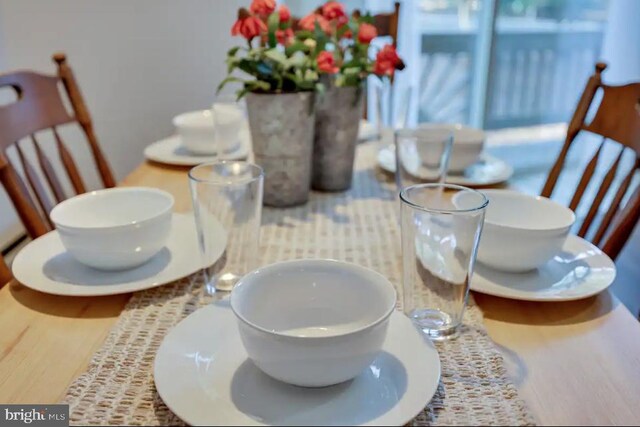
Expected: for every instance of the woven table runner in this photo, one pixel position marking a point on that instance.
(359, 226)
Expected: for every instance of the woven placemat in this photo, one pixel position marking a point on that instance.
(359, 226)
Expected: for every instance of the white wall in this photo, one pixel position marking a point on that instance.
(138, 63)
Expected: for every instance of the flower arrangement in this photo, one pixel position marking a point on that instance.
(282, 56)
(340, 45)
(268, 58)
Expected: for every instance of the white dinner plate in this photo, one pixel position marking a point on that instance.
(45, 265)
(203, 375)
(488, 171)
(171, 151)
(581, 270)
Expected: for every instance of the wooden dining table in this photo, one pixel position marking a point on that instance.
(574, 362)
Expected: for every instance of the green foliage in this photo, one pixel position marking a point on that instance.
(265, 66)
(273, 23)
(352, 57)
(267, 69)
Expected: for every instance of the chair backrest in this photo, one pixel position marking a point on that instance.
(387, 23)
(618, 119)
(40, 107)
(5, 273)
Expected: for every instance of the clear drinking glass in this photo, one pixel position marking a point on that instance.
(441, 227)
(381, 103)
(229, 118)
(227, 204)
(422, 155)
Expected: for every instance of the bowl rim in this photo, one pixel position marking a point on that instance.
(65, 204)
(179, 120)
(233, 298)
(476, 136)
(542, 199)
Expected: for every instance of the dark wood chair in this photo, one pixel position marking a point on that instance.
(5, 273)
(387, 23)
(617, 119)
(40, 107)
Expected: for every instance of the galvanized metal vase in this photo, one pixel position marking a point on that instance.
(338, 114)
(282, 127)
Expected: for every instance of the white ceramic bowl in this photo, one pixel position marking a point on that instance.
(313, 323)
(468, 144)
(115, 229)
(522, 232)
(197, 129)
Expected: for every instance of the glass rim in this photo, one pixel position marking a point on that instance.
(227, 98)
(259, 173)
(406, 200)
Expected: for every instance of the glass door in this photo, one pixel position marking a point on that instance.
(542, 53)
(498, 63)
(488, 63)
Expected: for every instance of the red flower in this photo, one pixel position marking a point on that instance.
(263, 8)
(347, 34)
(247, 25)
(285, 37)
(327, 63)
(309, 23)
(334, 11)
(383, 69)
(388, 53)
(387, 61)
(284, 13)
(366, 33)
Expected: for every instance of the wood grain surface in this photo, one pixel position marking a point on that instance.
(575, 362)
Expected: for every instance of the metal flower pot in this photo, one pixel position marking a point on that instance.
(282, 128)
(338, 114)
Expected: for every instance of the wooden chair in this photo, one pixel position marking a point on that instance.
(5, 273)
(39, 107)
(387, 23)
(618, 119)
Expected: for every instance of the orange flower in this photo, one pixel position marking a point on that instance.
(284, 13)
(334, 11)
(263, 8)
(309, 23)
(366, 33)
(285, 37)
(388, 53)
(387, 61)
(327, 63)
(247, 25)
